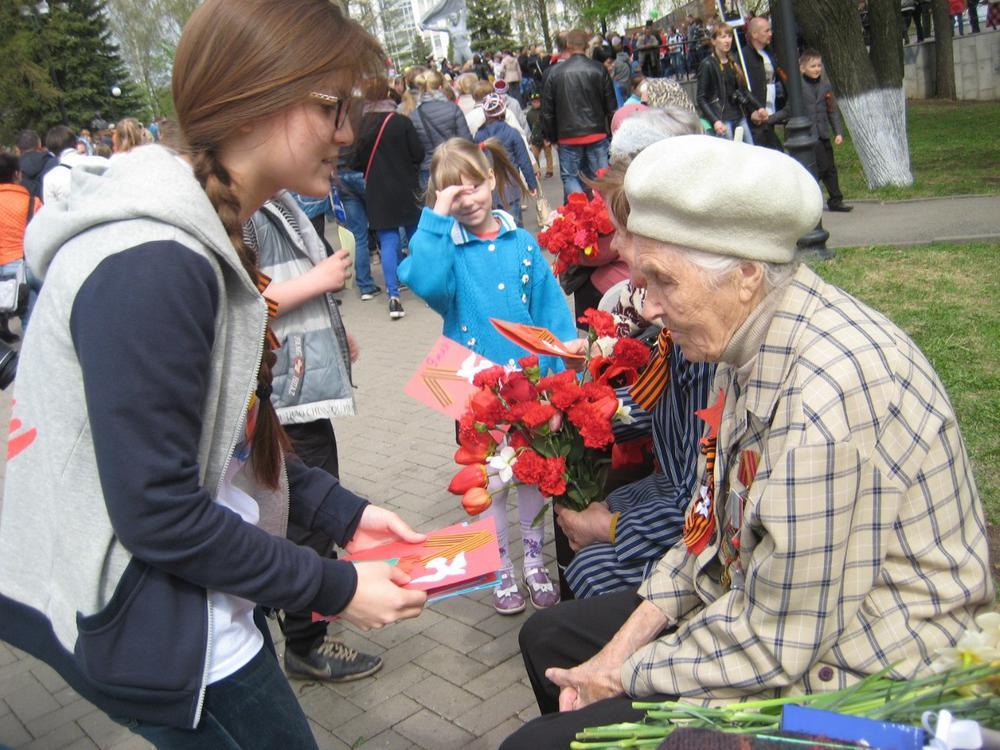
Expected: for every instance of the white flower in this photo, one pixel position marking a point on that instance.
(624, 413)
(990, 624)
(973, 648)
(469, 368)
(503, 463)
(606, 344)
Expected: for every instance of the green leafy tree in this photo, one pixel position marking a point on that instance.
(597, 13)
(420, 50)
(489, 26)
(65, 67)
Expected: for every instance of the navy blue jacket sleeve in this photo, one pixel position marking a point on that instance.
(143, 326)
(319, 501)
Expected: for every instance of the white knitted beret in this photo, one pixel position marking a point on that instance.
(722, 197)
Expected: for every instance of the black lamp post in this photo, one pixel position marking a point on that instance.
(799, 141)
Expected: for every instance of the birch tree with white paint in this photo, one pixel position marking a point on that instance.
(868, 82)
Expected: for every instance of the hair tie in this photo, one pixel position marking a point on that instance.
(263, 391)
(482, 145)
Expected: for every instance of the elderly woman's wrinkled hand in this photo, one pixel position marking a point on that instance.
(594, 680)
(576, 346)
(592, 525)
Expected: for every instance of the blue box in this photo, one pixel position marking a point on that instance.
(874, 733)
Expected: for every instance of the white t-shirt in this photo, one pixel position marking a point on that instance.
(234, 637)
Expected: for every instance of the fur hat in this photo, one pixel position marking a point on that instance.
(494, 105)
(722, 197)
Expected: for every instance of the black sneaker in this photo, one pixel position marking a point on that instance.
(365, 296)
(331, 661)
(395, 308)
(839, 207)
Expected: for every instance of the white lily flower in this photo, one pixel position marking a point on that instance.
(606, 344)
(503, 463)
(973, 648)
(990, 624)
(624, 414)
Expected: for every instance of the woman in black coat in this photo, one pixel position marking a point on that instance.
(389, 154)
(723, 96)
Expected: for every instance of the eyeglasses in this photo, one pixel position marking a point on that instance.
(337, 109)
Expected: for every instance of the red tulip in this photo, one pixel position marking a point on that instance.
(468, 478)
(474, 454)
(476, 500)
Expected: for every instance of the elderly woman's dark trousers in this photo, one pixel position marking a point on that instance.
(564, 636)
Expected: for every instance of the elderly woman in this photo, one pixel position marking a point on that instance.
(836, 529)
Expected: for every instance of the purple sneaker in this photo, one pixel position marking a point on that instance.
(507, 597)
(543, 594)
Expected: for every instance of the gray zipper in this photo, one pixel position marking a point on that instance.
(218, 488)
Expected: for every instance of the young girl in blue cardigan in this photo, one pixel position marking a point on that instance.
(471, 263)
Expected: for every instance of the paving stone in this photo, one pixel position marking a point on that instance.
(372, 723)
(498, 678)
(30, 700)
(327, 708)
(7, 655)
(407, 651)
(459, 637)
(529, 713)
(66, 696)
(387, 684)
(463, 609)
(103, 731)
(64, 735)
(85, 743)
(326, 740)
(442, 697)
(399, 632)
(501, 623)
(387, 740)
(451, 665)
(12, 675)
(492, 739)
(497, 709)
(499, 649)
(12, 731)
(48, 722)
(427, 730)
(132, 742)
(48, 677)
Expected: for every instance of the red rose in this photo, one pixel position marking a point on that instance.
(517, 389)
(467, 478)
(476, 500)
(602, 322)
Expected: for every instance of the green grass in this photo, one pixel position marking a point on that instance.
(947, 298)
(953, 151)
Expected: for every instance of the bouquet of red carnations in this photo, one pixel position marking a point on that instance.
(576, 230)
(555, 431)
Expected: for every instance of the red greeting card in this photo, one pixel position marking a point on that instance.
(535, 339)
(444, 379)
(451, 561)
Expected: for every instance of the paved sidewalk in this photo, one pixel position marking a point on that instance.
(453, 677)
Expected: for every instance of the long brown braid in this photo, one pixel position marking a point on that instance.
(269, 438)
(239, 62)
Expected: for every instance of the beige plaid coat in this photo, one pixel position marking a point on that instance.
(862, 542)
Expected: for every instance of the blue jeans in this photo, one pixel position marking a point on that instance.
(390, 243)
(576, 159)
(253, 708)
(352, 195)
(731, 126)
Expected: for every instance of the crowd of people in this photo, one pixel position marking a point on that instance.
(807, 515)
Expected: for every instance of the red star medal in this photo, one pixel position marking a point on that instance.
(713, 415)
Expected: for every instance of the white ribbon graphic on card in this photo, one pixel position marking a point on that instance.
(443, 569)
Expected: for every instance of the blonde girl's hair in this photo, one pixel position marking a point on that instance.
(239, 62)
(458, 157)
(432, 80)
(128, 135)
(466, 83)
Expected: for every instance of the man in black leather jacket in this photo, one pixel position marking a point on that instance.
(765, 83)
(578, 100)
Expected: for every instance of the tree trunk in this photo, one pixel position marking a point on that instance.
(944, 53)
(543, 14)
(869, 86)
